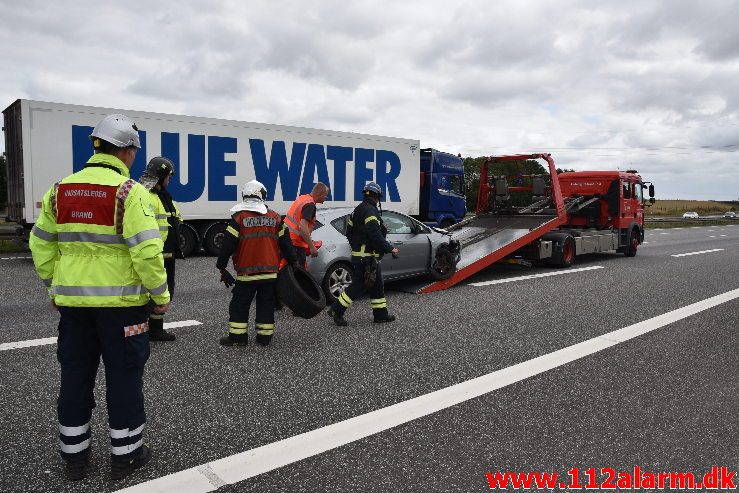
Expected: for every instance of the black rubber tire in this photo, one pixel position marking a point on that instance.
(564, 252)
(343, 270)
(630, 250)
(444, 264)
(299, 292)
(188, 240)
(214, 238)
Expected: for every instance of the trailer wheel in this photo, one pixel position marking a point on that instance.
(633, 244)
(214, 238)
(188, 240)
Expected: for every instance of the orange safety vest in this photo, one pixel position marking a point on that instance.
(258, 252)
(293, 218)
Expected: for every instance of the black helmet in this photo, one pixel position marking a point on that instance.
(373, 189)
(157, 169)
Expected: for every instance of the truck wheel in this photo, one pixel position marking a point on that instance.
(301, 294)
(336, 280)
(214, 238)
(633, 244)
(188, 240)
(564, 255)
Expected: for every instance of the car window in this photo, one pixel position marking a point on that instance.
(455, 184)
(397, 224)
(340, 224)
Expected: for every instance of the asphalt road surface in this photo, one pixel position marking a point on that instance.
(529, 375)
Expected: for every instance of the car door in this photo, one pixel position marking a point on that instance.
(413, 246)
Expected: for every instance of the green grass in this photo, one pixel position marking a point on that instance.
(686, 224)
(11, 246)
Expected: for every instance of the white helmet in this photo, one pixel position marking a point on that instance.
(254, 189)
(117, 130)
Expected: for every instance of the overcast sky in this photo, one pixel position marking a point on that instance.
(650, 85)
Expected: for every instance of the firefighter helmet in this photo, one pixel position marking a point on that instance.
(372, 188)
(158, 168)
(117, 130)
(255, 189)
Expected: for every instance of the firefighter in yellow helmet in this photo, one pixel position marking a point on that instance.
(156, 178)
(97, 248)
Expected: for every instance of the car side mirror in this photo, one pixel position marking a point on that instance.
(651, 191)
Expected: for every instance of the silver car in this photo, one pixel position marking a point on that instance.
(416, 242)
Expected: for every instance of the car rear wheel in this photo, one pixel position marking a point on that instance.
(337, 279)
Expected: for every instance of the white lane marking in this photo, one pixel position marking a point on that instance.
(711, 236)
(664, 233)
(533, 276)
(251, 463)
(14, 258)
(52, 340)
(697, 253)
(722, 236)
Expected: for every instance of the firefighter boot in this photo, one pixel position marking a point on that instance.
(157, 332)
(75, 468)
(381, 316)
(121, 468)
(235, 340)
(337, 314)
(263, 340)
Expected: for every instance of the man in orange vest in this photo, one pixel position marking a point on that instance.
(255, 237)
(300, 219)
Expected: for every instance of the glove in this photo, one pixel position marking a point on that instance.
(227, 278)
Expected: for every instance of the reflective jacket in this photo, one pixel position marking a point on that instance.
(169, 219)
(295, 215)
(364, 231)
(96, 242)
(255, 241)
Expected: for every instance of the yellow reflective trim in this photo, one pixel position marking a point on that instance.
(238, 325)
(257, 277)
(232, 231)
(345, 300)
(231, 330)
(371, 218)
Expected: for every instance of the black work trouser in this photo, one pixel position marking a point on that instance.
(244, 293)
(120, 336)
(156, 321)
(357, 288)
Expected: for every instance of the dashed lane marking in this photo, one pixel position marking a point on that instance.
(52, 340)
(697, 253)
(14, 258)
(533, 276)
(242, 466)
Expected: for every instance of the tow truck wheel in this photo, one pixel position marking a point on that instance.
(633, 244)
(564, 251)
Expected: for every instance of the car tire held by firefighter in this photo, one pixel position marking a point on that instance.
(299, 292)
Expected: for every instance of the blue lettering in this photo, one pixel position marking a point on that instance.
(362, 175)
(315, 162)
(219, 168)
(82, 150)
(267, 173)
(193, 189)
(386, 177)
(340, 156)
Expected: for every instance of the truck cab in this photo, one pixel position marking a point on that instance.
(442, 188)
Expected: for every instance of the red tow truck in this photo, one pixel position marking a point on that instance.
(555, 218)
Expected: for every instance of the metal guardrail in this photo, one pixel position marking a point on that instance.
(672, 219)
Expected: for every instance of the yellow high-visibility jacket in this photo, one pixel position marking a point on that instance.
(97, 242)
